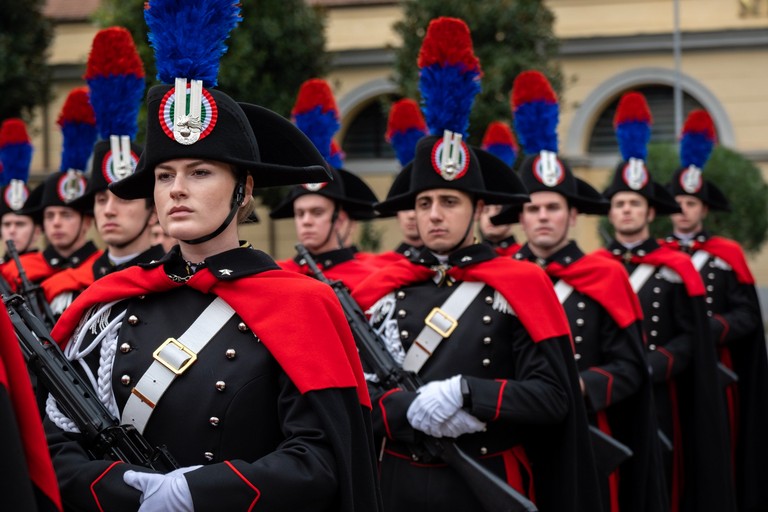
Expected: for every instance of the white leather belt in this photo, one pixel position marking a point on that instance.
(563, 290)
(699, 258)
(172, 359)
(440, 323)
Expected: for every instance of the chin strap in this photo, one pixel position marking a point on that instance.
(141, 232)
(238, 196)
(332, 230)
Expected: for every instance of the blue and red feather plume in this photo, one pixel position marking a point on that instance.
(188, 37)
(698, 139)
(449, 76)
(315, 113)
(78, 127)
(115, 76)
(500, 142)
(337, 156)
(405, 126)
(15, 151)
(632, 123)
(535, 112)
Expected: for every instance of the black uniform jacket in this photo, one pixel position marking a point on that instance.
(518, 362)
(684, 371)
(27, 480)
(275, 408)
(606, 322)
(736, 323)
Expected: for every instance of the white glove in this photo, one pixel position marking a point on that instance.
(162, 493)
(436, 402)
(460, 423)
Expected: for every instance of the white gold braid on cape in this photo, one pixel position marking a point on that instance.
(97, 322)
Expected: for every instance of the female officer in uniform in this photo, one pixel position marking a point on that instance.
(246, 373)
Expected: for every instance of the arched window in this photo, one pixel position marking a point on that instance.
(364, 138)
(602, 140)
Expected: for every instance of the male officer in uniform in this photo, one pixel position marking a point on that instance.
(15, 158)
(123, 225)
(65, 227)
(324, 213)
(689, 406)
(503, 383)
(732, 306)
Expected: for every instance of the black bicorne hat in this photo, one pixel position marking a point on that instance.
(633, 176)
(546, 172)
(58, 189)
(14, 197)
(447, 162)
(689, 182)
(106, 168)
(225, 133)
(346, 189)
(399, 186)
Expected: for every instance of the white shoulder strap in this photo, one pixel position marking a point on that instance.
(699, 258)
(440, 323)
(640, 276)
(563, 291)
(173, 358)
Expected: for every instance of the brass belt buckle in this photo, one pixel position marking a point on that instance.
(177, 369)
(439, 315)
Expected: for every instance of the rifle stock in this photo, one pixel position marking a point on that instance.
(103, 436)
(490, 490)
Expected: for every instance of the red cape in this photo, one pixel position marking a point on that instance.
(604, 281)
(525, 286)
(351, 272)
(35, 266)
(71, 279)
(14, 377)
(666, 257)
(311, 340)
(727, 250)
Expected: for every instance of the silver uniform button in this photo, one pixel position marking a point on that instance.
(654, 333)
(486, 362)
(400, 295)
(581, 305)
(651, 347)
(654, 318)
(578, 339)
(125, 348)
(125, 380)
(414, 457)
(483, 451)
(75, 260)
(133, 320)
(711, 275)
(230, 353)
(401, 313)
(656, 289)
(404, 334)
(577, 356)
(486, 319)
(710, 288)
(54, 261)
(708, 300)
(487, 340)
(242, 327)
(488, 299)
(208, 456)
(214, 421)
(655, 305)
(221, 385)
(579, 322)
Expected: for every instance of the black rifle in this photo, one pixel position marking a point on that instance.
(494, 494)
(31, 292)
(102, 435)
(609, 452)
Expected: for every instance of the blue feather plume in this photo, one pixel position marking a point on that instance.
(319, 127)
(404, 144)
(188, 37)
(77, 147)
(632, 123)
(116, 101)
(16, 159)
(535, 112)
